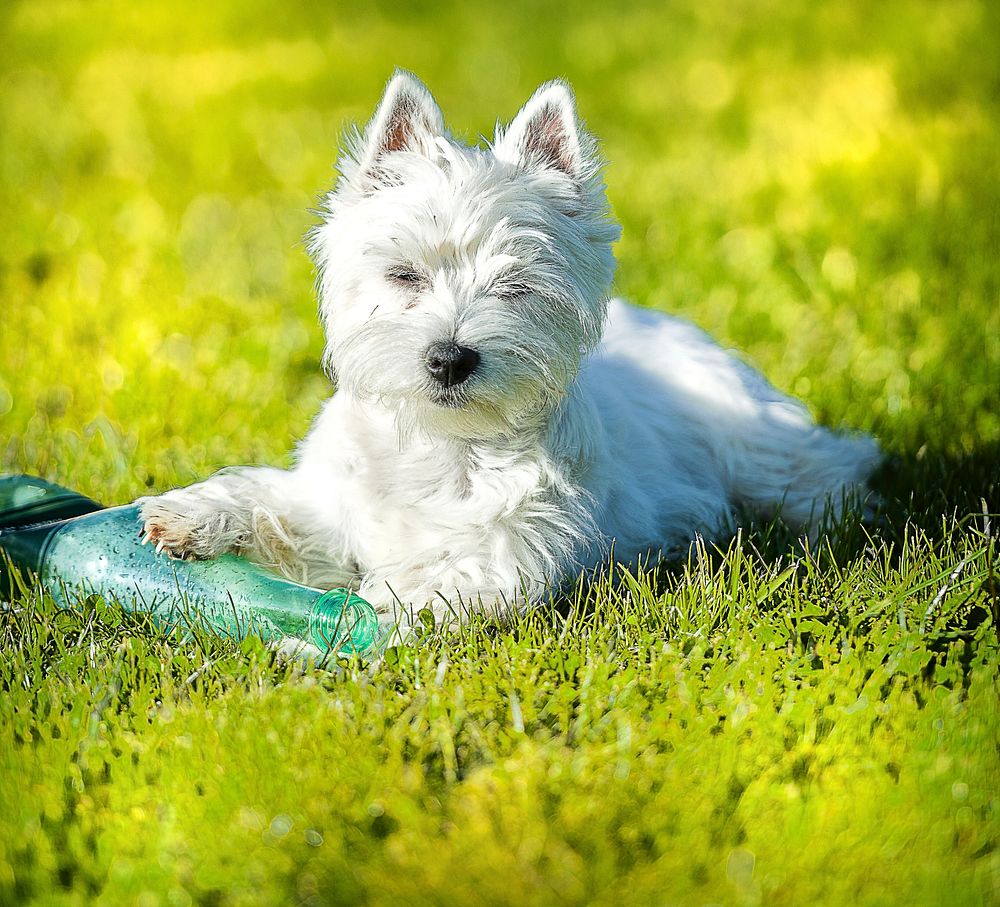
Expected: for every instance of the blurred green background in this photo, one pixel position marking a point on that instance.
(815, 183)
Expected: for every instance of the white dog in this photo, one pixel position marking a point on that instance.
(499, 422)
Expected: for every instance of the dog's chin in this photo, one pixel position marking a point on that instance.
(457, 416)
(458, 413)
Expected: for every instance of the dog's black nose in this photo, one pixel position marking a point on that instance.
(449, 363)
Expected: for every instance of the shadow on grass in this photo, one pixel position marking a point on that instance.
(933, 490)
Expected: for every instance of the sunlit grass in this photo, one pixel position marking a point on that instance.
(817, 184)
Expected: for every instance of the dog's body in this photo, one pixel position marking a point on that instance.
(498, 423)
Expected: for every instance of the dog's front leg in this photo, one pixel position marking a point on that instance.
(261, 513)
(452, 588)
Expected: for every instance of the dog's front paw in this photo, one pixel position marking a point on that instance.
(183, 526)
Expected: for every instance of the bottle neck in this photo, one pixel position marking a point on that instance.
(29, 501)
(24, 549)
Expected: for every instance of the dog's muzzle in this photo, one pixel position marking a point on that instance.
(450, 364)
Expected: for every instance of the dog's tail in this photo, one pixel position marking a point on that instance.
(787, 464)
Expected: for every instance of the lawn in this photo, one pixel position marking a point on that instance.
(815, 183)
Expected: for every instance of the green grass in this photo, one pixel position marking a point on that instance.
(816, 183)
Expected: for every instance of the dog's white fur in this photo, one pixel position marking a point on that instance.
(586, 421)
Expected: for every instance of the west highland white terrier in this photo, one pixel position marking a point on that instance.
(499, 422)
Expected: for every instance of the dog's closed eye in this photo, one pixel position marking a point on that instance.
(407, 276)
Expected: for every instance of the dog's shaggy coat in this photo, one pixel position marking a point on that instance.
(498, 422)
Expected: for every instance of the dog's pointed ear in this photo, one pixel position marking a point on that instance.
(547, 133)
(406, 119)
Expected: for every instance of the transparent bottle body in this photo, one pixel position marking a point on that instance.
(102, 552)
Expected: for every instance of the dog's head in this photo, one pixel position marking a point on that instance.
(462, 286)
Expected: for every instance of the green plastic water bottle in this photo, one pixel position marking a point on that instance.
(74, 546)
